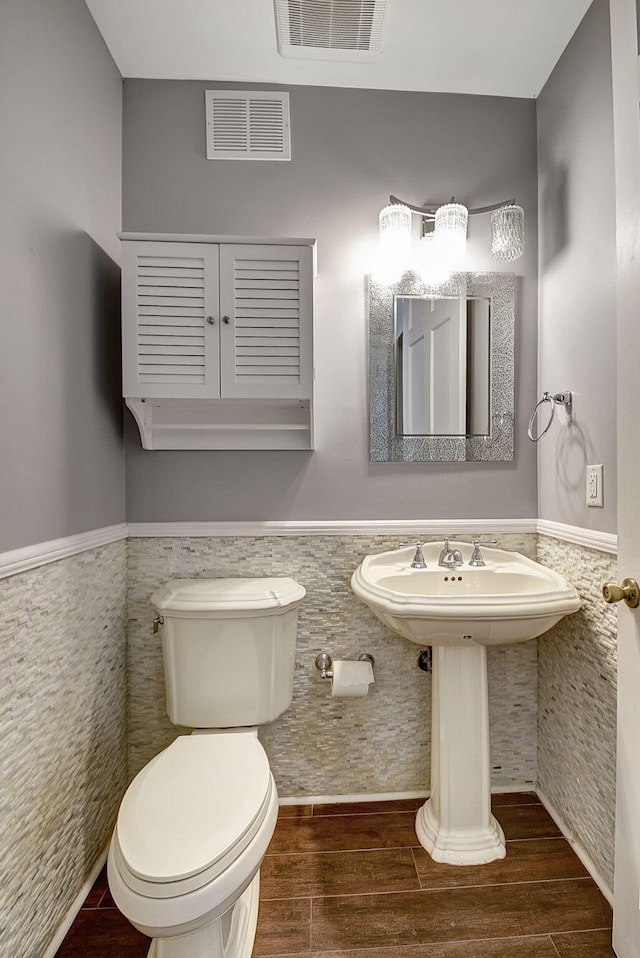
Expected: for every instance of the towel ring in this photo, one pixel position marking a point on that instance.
(558, 399)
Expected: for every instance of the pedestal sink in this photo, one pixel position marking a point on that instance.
(459, 612)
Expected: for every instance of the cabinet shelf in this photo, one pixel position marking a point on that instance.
(222, 424)
(234, 426)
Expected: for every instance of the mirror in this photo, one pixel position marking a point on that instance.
(441, 363)
(442, 346)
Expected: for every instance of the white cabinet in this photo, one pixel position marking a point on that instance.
(217, 341)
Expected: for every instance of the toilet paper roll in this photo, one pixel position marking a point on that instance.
(351, 678)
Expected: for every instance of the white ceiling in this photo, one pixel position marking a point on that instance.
(494, 47)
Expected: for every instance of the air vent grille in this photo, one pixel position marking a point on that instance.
(170, 305)
(247, 125)
(330, 29)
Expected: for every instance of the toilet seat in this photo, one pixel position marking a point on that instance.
(191, 812)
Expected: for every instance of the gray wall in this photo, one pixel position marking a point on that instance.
(351, 148)
(577, 325)
(60, 186)
(62, 665)
(577, 347)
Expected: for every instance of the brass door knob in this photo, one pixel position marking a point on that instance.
(628, 592)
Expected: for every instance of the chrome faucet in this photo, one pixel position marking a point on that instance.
(418, 559)
(449, 558)
(476, 559)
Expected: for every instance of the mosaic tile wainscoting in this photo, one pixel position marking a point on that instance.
(577, 704)
(326, 746)
(63, 743)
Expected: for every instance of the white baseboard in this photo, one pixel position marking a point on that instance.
(386, 796)
(344, 799)
(78, 902)
(586, 860)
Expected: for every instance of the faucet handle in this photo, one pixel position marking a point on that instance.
(476, 559)
(418, 559)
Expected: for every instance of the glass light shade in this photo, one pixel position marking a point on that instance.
(451, 231)
(507, 233)
(431, 265)
(395, 238)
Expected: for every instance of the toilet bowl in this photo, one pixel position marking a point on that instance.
(191, 834)
(195, 823)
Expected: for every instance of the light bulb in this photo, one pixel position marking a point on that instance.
(395, 239)
(451, 231)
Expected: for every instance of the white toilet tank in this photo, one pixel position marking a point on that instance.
(229, 649)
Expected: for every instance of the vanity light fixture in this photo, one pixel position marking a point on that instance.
(444, 228)
(395, 241)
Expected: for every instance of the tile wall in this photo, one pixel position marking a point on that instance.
(63, 742)
(577, 704)
(64, 668)
(324, 746)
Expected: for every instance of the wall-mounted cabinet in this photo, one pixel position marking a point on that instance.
(218, 341)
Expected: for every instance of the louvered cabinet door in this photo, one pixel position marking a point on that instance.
(266, 308)
(170, 309)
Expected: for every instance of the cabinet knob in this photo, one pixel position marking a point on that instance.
(211, 320)
(628, 592)
(226, 320)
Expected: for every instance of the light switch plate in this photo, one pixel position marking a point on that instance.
(594, 486)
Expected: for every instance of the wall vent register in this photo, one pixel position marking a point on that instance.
(247, 125)
(217, 341)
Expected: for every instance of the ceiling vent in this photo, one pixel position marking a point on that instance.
(330, 29)
(247, 125)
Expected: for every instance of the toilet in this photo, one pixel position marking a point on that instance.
(195, 823)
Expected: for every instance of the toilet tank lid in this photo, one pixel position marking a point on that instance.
(204, 595)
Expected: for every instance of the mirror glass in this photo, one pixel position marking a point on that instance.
(442, 347)
(441, 369)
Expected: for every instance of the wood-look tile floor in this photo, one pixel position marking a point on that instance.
(351, 881)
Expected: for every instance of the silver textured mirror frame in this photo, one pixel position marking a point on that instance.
(385, 445)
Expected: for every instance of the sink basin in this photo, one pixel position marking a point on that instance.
(510, 599)
(460, 612)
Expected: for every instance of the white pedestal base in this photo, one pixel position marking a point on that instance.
(456, 825)
(459, 846)
(230, 936)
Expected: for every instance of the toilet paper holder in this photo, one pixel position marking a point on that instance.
(324, 663)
